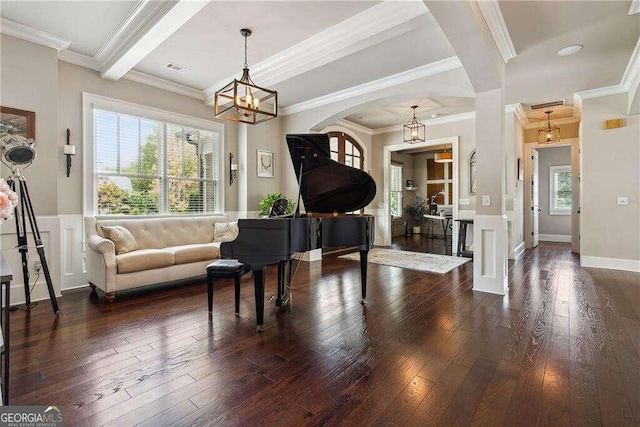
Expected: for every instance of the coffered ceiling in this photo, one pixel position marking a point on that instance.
(316, 52)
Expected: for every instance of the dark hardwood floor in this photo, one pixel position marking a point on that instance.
(422, 243)
(561, 349)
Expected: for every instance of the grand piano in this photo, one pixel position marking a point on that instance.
(328, 189)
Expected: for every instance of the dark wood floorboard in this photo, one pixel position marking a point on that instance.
(562, 348)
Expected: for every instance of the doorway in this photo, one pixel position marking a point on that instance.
(411, 173)
(552, 197)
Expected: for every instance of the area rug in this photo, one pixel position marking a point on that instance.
(431, 263)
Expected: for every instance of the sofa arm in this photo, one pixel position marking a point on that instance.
(101, 245)
(101, 263)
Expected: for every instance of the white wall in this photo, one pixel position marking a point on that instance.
(610, 159)
(552, 224)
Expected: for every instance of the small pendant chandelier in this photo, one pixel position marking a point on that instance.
(443, 157)
(414, 131)
(242, 100)
(549, 133)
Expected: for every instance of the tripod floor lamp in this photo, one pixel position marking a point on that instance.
(19, 152)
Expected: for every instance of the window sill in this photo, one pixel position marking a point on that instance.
(560, 212)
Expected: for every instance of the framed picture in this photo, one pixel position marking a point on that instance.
(520, 170)
(17, 122)
(410, 183)
(265, 164)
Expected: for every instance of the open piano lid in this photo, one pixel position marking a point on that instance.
(326, 185)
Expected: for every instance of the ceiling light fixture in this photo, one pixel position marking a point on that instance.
(242, 100)
(549, 133)
(414, 131)
(434, 115)
(570, 50)
(444, 157)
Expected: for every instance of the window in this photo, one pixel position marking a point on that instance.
(345, 150)
(143, 164)
(560, 190)
(396, 190)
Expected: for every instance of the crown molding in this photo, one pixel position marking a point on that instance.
(631, 77)
(495, 21)
(354, 126)
(378, 23)
(76, 58)
(635, 7)
(130, 27)
(598, 92)
(519, 112)
(430, 122)
(431, 69)
(133, 75)
(160, 83)
(565, 121)
(33, 35)
(150, 24)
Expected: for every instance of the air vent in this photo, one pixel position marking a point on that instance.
(177, 68)
(546, 105)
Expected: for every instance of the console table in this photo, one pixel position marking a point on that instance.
(5, 280)
(444, 221)
(462, 238)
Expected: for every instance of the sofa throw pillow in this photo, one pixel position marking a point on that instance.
(121, 237)
(225, 231)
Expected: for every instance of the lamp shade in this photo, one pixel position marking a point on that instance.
(18, 150)
(446, 157)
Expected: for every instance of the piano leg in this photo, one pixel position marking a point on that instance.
(258, 281)
(363, 273)
(282, 266)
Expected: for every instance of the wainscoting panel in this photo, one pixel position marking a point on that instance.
(490, 254)
(49, 227)
(74, 274)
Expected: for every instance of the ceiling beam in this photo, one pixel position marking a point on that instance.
(417, 73)
(149, 24)
(470, 36)
(367, 28)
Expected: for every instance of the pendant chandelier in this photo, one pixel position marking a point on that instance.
(414, 131)
(549, 133)
(443, 157)
(242, 100)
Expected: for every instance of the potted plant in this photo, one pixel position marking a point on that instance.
(417, 210)
(268, 200)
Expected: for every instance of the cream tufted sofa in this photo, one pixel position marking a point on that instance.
(169, 249)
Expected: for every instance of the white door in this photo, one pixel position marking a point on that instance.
(535, 206)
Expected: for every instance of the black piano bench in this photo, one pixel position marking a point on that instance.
(223, 269)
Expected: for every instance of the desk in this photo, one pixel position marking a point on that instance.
(462, 238)
(5, 280)
(445, 220)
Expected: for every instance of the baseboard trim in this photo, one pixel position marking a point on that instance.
(517, 252)
(610, 263)
(562, 238)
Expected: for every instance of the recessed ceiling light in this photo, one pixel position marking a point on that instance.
(434, 115)
(570, 50)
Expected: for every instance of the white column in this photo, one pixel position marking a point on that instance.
(490, 234)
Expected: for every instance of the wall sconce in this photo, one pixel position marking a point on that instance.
(69, 150)
(233, 169)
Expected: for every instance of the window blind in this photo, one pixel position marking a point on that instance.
(147, 167)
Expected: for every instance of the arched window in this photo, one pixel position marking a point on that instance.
(345, 150)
